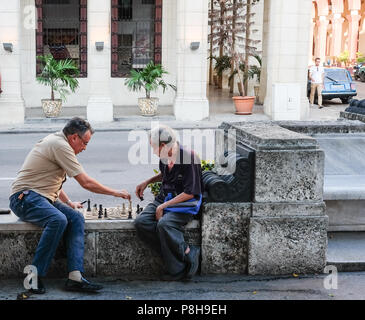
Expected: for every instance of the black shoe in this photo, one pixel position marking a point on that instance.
(192, 259)
(83, 286)
(40, 287)
(320, 107)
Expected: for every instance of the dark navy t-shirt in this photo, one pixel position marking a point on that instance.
(185, 176)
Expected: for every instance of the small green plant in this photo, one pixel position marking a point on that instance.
(221, 64)
(156, 187)
(59, 75)
(149, 79)
(360, 58)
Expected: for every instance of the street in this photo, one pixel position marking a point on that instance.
(105, 159)
(347, 286)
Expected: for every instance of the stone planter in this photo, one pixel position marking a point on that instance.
(244, 105)
(147, 106)
(51, 108)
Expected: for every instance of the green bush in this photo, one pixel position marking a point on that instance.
(156, 187)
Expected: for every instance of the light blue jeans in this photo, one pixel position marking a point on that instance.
(56, 219)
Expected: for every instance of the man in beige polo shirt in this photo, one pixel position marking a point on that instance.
(37, 197)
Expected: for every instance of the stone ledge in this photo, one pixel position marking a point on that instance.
(266, 135)
(13, 223)
(323, 127)
(288, 209)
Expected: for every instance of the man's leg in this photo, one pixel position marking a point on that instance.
(319, 90)
(74, 235)
(34, 208)
(146, 226)
(313, 91)
(171, 228)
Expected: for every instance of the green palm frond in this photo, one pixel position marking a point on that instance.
(149, 79)
(59, 75)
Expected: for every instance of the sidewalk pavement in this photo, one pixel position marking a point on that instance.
(127, 118)
(218, 287)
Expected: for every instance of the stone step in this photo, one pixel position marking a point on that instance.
(346, 251)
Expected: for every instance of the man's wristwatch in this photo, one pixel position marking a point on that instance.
(68, 201)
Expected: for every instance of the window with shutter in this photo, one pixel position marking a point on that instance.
(62, 31)
(136, 35)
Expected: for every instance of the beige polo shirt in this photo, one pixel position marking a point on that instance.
(44, 169)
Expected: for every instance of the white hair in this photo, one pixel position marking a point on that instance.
(162, 134)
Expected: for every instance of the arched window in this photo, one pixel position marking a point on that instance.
(62, 31)
(136, 35)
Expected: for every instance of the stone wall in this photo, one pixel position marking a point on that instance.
(111, 249)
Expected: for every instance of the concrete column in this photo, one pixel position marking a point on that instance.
(11, 100)
(285, 50)
(191, 101)
(311, 45)
(322, 24)
(100, 105)
(354, 20)
(337, 22)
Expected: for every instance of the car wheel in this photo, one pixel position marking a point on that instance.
(362, 77)
(345, 100)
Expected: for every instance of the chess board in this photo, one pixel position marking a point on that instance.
(113, 213)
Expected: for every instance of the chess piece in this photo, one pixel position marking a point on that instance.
(141, 209)
(123, 208)
(95, 210)
(130, 205)
(105, 213)
(130, 214)
(88, 205)
(100, 211)
(137, 208)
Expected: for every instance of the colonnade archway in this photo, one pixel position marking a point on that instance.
(337, 26)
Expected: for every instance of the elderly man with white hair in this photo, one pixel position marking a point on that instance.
(162, 223)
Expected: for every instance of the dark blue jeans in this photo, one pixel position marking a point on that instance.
(165, 236)
(56, 219)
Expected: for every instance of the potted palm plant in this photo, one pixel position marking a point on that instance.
(148, 79)
(59, 75)
(238, 29)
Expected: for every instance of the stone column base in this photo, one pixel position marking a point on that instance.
(11, 111)
(287, 245)
(224, 238)
(191, 109)
(99, 110)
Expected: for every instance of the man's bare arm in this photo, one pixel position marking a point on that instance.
(141, 187)
(93, 185)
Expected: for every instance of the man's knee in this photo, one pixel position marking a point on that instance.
(139, 222)
(59, 221)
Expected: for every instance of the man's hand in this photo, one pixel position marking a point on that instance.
(140, 189)
(123, 194)
(75, 205)
(159, 212)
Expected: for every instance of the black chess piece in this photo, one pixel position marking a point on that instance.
(141, 198)
(137, 208)
(130, 214)
(88, 205)
(105, 213)
(100, 211)
(141, 209)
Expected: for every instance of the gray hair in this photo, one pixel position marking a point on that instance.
(162, 134)
(77, 125)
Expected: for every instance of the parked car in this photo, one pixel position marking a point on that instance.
(357, 71)
(338, 83)
(361, 73)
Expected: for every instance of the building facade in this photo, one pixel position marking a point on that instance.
(108, 37)
(337, 26)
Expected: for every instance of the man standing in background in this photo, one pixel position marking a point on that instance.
(316, 75)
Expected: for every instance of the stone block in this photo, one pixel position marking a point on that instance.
(288, 176)
(287, 245)
(18, 248)
(224, 238)
(122, 253)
